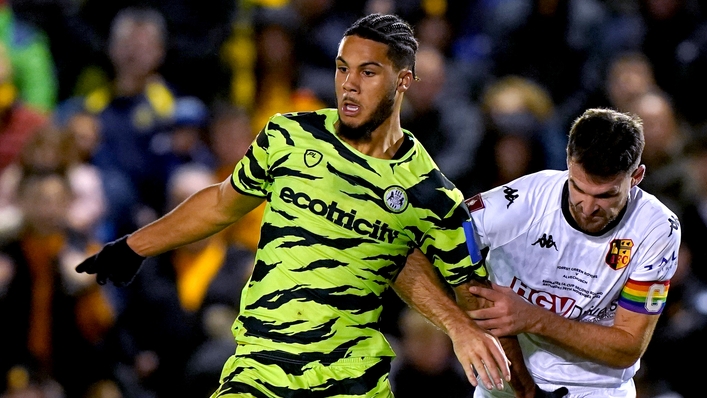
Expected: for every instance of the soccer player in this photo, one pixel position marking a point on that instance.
(349, 194)
(580, 263)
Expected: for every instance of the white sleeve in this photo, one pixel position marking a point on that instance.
(647, 287)
(501, 214)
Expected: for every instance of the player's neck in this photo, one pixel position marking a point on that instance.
(384, 141)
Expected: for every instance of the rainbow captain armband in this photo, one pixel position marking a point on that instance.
(474, 252)
(644, 297)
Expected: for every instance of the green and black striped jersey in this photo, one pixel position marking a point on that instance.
(336, 230)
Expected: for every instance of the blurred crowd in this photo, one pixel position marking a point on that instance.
(112, 113)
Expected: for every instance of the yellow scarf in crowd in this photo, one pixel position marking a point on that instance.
(195, 271)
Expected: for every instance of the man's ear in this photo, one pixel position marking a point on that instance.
(638, 175)
(405, 78)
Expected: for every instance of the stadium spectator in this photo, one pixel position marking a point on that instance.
(319, 25)
(17, 120)
(673, 42)
(54, 319)
(184, 141)
(54, 150)
(554, 43)
(628, 76)
(278, 89)
(449, 127)
(33, 70)
(667, 174)
(519, 137)
(132, 109)
(229, 139)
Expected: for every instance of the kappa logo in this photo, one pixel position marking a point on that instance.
(619, 253)
(395, 199)
(546, 242)
(312, 157)
(674, 224)
(511, 195)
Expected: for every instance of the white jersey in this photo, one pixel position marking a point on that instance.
(536, 249)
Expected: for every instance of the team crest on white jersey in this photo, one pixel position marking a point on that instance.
(396, 199)
(619, 253)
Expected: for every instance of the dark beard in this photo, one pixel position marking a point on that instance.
(365, 130)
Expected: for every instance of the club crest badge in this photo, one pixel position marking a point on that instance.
(619, 253)
(396, 199)
(474, 203)
(312, 158)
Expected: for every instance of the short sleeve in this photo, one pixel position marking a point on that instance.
(646, 290)
(250, 175)
(451, 252)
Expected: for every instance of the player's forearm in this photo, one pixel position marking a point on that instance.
(610, 346)
(419, 286)
(521, 380)
(203, 214)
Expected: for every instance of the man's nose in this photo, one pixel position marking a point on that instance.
(589, 205)
(350, 82)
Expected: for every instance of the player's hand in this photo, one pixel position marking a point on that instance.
(510, 313)
(558, 393)
(116, 262)
(479, 352)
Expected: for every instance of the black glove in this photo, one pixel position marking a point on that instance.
(559, 393)
(116, 262)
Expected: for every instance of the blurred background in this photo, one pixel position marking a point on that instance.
(111, 113)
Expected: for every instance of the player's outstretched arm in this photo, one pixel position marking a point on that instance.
(203, 214)
(420, 287)
(618, 346)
